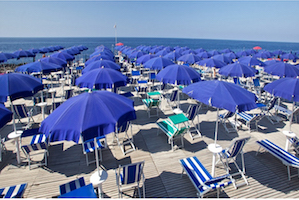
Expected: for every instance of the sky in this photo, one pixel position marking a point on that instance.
(233, 20)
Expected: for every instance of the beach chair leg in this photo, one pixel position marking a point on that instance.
(289, 175)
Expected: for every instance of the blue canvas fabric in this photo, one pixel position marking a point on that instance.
(211, 62)
(5, 115)
(221, 94)
(101, 64)
(178, 74)
(238, 70)
(63, 55)
(39, 66)
(90, 114)
(250, 61)
(15, 191)
(57, 61)
(278, 88)
(282, 69)
(18, 86)
(102, 78)
(189, 58)
(157, 63)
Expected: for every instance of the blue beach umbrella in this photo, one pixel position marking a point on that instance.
(57, 61)
(188, 51)
(101, 64)
(143, 59)
(264, 54)
(98, 57)
(15, 86)
(34, 51)
(288, 56)
(173, 56)
(204, 55)
(214, 52)
(162, 52)
(242, 53)
(157, 63)
(44, 50)
(223, 58)
(23, 54)
(286, 88)
(250, 61)
(222, 95)
(38, 66)
(178, 75)
(5, 115)
(136, 54)
(231, 55)
(63, 55)
(282, 69)
(237, 70)
(6, 56)
(91, 114)
(101, 78)
(211, 62)
(271, 62)
(189, 58)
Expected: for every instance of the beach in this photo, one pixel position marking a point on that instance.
(266, 175)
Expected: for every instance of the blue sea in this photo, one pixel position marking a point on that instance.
(14, 44)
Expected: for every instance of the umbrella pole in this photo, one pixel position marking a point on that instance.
(291, 118)
(216, 129)
(13, 116)
(97, 156)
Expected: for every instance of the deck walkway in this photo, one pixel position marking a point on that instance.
(267, 176)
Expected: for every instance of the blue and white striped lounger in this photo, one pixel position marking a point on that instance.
(287, 158)
(248, 118)
(15, 191)
(70, 186)
(38, 142)
(202, 179)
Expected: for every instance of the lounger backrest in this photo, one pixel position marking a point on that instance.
(169, 128)
(237, 147)
(73, 185)
(280, 153)
(20, 110)
(256, 82)
(228, 115)
(173, 95)
(272, 103)
(192, 111)
(124, 127)
(135, 73)
(131, 173)
(15, 191)
(88, 145)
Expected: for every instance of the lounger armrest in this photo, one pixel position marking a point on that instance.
(216, 179)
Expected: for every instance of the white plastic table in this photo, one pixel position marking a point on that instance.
(42, 105)
(16, 136)
(288, 134)
(97, 180)
(215, 149)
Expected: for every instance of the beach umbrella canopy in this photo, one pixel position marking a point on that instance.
(211, 62)
(71, 51)
(44, 50)
(101, 64)
(250, 61)
(188, 51)
(98, 57)
(157, 63)
(178, 75)
(162, 52)
(39, 66)
(119, 44)
(136, 54)
(34, 51)
(16, 85)
(63, 55)
(286, 88)
(237, 70)
(143, 59)
(57, 61)
(82, 47)
(264, 54)
(23, 54)
(282, 69)
(91, 114)
(288, 56)
(200, 50)
(203, 55)
(242, 53)
(5, 115)
(6, 56)
(278, 52)
(102, 52)
(257, 48)
(226, 51)
(214, 52)
(173, 55)
(222, 95)
(189, 58)
(271, 62)
(231, 55)
(102, 78)
(223, 58)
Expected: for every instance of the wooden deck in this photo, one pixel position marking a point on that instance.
(267, 176)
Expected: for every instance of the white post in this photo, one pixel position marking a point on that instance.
(216, 129)
(291, 118)
(115, 34)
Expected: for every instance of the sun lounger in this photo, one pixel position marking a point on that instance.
(226, 118)
(89, 147)
(15, 191)
(152, 103)
(172, 132)
(287, 112)
(249, 119)
(286, 158)
(72, 185)
(202, 179)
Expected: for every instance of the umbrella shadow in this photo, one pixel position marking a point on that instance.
(72, 161)
(154, 140)
(176, 183)
(269, 171)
